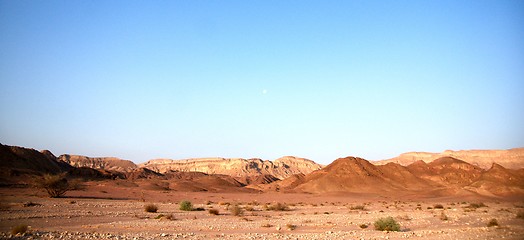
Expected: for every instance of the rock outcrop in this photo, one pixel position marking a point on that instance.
(236, 167)
(511, 158)
(103, 163)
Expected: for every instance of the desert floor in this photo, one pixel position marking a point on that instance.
(107, 211)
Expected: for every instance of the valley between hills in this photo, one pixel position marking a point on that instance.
(448, 195)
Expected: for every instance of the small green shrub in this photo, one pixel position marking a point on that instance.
(186, 206)
(493, 222)
(387, 224)
(213, 211)
(152, 208)
(19, 229)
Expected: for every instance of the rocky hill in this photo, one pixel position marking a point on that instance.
(511, 158)
(236, 167)
(102, 163)
(442, 177)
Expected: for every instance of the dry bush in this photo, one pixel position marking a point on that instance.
(31, 204)
(363, 226)
(167, 217)
(186, 206)
(438, 206)
(357, 207)
(213, 211)
(476, 205)
(278, 207)
(249, 208)
(236, 210)
(57, 185)
(19, 229)
(152, 208)
(267, 225)
(387, 224)
(443, 216)
(493, 222)
(291, 226)
(520, 214)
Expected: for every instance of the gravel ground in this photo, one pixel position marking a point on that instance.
(83, 218)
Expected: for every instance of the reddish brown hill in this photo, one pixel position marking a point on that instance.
(452, 171)
(347, 175)
(499, 181)
(26, 160)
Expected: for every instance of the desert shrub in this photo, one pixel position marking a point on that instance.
(443, 216)
(167, 217)
(19, 229)
(357, 207)
(493, 222)
(291, 226)
(56, 185)
(278, 207)
(152, 208)
(249, 208)
(387, 224)
(236, 210)
(520, 214)
(267, 225)
(438, 206)
(186, 206)
(363, 226)
(476, 205)
(31, 204)
(213, 211)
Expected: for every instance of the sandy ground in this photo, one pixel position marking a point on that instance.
(109, 212)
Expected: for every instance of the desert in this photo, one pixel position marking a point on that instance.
(443, 199)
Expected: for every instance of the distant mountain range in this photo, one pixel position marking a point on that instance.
(426, 174)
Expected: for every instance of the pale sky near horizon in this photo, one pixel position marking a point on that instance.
(261, 79)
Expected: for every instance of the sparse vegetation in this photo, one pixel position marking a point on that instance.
(476, 205)
(267, 225)
(291, 226)
(278, 207)
(438, 206)
(56, 185)
(236, 210)
(151, 208)
(167, 217)
(213, 211)
(186, 206)
(443, 216)
(363, 226)
(493, 223)
(31, 204)
(387, 224)
(520, 214)
(19, 229)
(357, 207)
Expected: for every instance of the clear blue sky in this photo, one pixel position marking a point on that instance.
(316, 79)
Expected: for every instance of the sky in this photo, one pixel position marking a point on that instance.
(141, 80)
